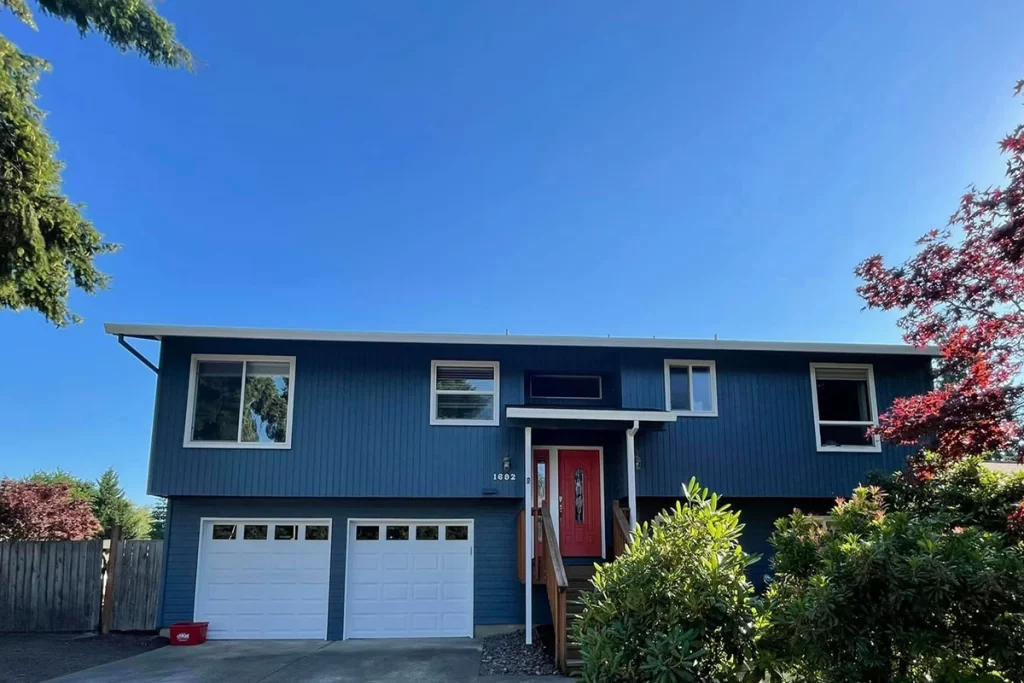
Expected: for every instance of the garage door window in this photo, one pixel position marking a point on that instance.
(426, 533)
(223, 532)
(456, 533)
(367, 533)
(398, 533)
(288, 532)
(255, 532)
(317, 532)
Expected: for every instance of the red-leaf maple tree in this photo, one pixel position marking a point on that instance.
(43, 512)
(963, 292)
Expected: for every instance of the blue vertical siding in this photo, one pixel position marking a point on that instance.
(362, 425)
(498, 596)
(762, 443)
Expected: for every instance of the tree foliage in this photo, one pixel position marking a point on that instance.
(46, 243)
(964, 291)
(79, 489)
(677, 606)
(890, 596)
(43, 512)
(113, 508)
(158, 515)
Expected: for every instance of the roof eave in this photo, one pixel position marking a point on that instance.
(159, 332)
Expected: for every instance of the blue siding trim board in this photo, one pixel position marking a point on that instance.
(362, 424)
(498, 595)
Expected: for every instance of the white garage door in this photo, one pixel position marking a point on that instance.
(264, 578)
(409, 579)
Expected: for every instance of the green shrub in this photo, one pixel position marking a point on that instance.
(965, 493)
(882, 596)
(677, 605)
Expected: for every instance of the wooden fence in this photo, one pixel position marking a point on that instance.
(59, 586)
(50, 585)
(137, 585)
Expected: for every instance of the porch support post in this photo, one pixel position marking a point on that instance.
(631, 472)
(528, 536)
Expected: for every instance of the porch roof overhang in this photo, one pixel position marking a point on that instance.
(554, 417)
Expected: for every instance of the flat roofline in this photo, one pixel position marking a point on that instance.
(159, 332)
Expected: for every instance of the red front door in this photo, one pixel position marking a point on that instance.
(579, 485)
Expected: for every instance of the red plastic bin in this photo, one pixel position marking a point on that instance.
(189, 632)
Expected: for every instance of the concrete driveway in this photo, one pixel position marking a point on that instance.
(303, 661)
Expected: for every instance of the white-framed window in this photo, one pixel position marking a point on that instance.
(844, 407)
(464, 393)
(240, 402)
(691, 387)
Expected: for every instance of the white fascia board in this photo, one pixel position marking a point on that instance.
(513, 412)
(161, 331)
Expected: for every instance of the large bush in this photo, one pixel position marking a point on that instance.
(892, 596)
(677, 606)
(965, 493)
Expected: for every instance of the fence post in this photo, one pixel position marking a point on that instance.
(108, 590)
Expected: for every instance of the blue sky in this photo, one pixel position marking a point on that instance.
(669, 169)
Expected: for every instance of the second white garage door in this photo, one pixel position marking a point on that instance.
(409, 579)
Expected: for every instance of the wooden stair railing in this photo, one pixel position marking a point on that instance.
(556, 584)
(538, 569)
(620, 528)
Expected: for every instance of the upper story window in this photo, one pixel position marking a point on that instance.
(464, 393)
(691, 387)
(240, 401)
(566, 386)
(844, 407)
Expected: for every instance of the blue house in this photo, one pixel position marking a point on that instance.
(361, 485)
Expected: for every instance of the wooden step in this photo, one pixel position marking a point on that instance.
(574, 667)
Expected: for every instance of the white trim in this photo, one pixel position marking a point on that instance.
(600, 387)
(161, 331)
(631, 473)
(872, 405)
(589, 414)
(553, 501)
(316, 521)
(190, 401)
(434, 391)
(528, 532)
(690, 364)
(412, 522)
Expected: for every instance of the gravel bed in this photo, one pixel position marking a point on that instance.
(33, 657)
(509, 655)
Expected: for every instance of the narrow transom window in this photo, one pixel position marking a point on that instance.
(464, 393)
(691, 387)
(241, 402)
(566, 386)
(844, 407)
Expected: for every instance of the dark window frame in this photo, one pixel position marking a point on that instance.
(547, 375)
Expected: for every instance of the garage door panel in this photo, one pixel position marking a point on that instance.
(416, 584)
(254, 588)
